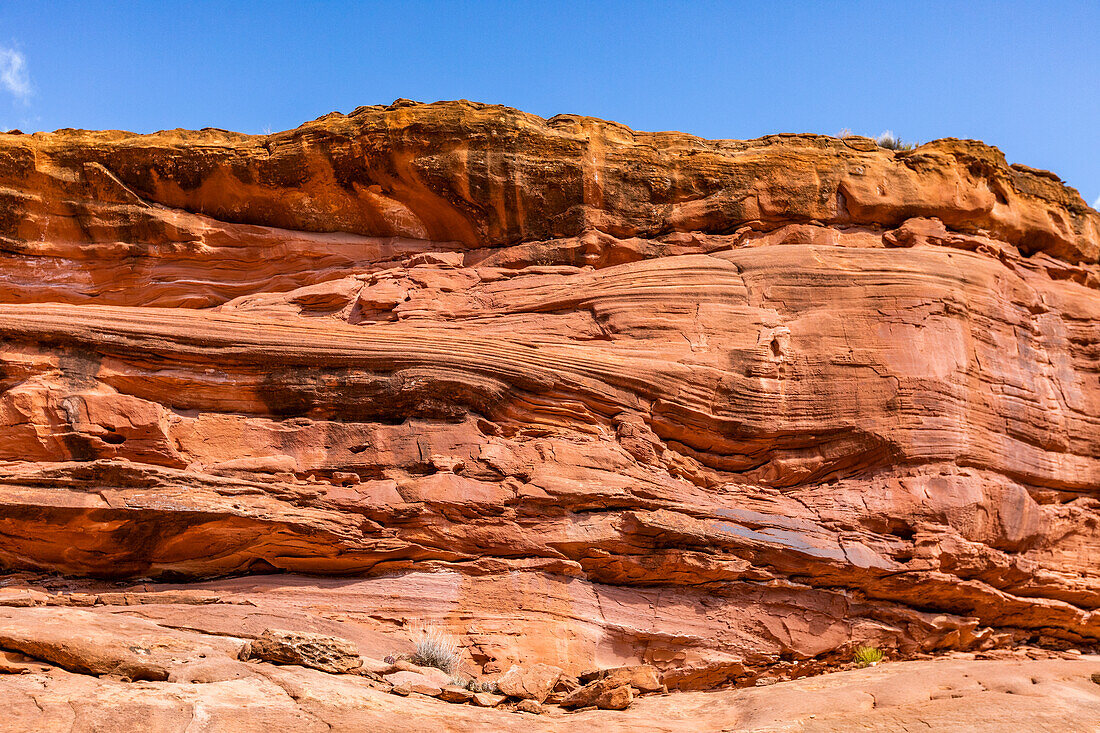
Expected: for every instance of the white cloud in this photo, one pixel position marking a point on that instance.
(13, 73)
(1096, 203)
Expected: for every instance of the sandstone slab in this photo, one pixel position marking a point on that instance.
(455, 694)
(409, 682)
(89, 643)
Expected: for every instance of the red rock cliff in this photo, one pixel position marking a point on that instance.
(579, 392)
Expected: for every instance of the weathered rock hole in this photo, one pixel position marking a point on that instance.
(842, 212)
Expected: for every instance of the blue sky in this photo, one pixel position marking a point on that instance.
(1024, 76)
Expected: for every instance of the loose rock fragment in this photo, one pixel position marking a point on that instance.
(607, 693)
(455, 694)
(529, 706)
(532, 682)
(415, 682)
(488, 699)
(642, 677)
(325, 653)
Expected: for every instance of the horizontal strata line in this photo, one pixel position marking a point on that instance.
(121, 330)
(605, 379)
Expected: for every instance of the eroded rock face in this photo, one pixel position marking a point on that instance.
(325, 653)
(585, 396)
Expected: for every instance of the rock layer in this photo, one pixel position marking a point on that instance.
(950, 696)
(583, 395)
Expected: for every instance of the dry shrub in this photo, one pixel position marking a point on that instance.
(435, 648)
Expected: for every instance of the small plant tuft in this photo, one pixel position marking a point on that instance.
(474, 685)
(435, 648)
(865, 656)
(890, 141)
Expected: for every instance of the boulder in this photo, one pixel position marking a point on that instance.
(376, 666)
(326, 653)
(453, 693)
(606, 693)
(642, 677)
(615, 698)
(415, 682)
(529, 706)
(533, 682)
(566, 684)
(488, 699)
(437, 676)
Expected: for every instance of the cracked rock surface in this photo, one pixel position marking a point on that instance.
(579, 395)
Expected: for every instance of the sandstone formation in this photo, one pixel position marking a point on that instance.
(583, 396)
(946, 696)
(304, 650)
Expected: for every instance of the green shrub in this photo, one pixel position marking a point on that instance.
(865, 656)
